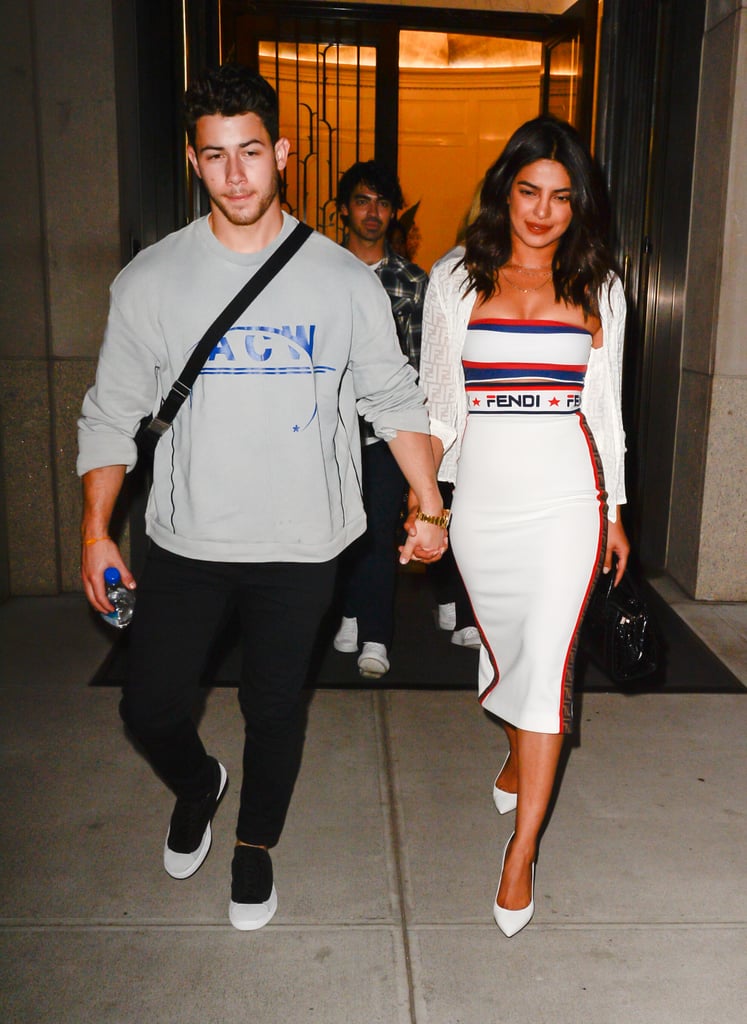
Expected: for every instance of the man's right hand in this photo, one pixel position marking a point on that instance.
(100, 489)
(94, 559)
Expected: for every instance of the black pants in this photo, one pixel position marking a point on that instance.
(369, 566)
(181, 603)
(445, 578)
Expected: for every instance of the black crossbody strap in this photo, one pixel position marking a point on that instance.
(225, 320)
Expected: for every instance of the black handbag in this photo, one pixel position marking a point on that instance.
(619, 632)
(152, 428)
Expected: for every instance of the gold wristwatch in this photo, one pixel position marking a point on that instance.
(442, 519)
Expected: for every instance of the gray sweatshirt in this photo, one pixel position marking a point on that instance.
(263, 460)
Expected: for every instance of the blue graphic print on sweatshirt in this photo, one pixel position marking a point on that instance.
(269, 351)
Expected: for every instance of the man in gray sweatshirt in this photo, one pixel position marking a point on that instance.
(256, 487)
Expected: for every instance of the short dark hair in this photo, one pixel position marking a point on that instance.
(582, 261)
(230, 90)
(379, 178)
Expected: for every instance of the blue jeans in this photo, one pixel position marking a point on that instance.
(181, 605)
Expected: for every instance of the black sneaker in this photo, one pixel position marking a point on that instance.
(253, 897)
(189, 837)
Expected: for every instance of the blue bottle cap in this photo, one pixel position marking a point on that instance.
(111, 576)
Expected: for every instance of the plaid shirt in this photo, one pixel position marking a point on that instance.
(405, 284)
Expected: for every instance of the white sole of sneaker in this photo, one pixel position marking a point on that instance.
(373, 662)
(184, 865)
(463, 638)
(371, 672)
(248, 917)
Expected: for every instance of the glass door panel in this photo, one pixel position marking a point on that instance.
(563, 70)
(331, 80)
(460, 98)
(436, 102)
(327, 96)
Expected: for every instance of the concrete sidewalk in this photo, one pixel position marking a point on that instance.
(386, 871)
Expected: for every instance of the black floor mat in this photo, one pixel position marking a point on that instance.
(422, 656)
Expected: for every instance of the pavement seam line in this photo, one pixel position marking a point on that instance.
(383, 719)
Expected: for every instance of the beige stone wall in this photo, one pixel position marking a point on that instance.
(60, 249)
(708, 524)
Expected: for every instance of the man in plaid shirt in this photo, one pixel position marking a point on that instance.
(368, 198)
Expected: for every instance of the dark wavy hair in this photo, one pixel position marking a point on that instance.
(230, 90)
(582, 261)
(376, 176)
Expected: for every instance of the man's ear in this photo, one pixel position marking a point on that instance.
(193, 160)
(282, 148)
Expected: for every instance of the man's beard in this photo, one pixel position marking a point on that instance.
(253, 211)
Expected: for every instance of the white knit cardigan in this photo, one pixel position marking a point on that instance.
(445, 317)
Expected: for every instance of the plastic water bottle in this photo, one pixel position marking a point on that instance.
(122, 599)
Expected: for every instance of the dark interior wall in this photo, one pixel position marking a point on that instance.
(648, 99)
(662, 287)
(149, 65)
(4, 547)
(154, 199)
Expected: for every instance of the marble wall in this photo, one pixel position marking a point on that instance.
(60, 249)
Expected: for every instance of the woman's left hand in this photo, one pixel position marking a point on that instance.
(618, 546)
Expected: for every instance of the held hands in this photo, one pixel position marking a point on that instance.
(425, 542)
(618, 547)
(97, 554)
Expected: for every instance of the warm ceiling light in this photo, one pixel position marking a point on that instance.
(436, 50)
(450, 50)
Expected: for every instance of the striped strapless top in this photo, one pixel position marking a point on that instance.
(524, 366)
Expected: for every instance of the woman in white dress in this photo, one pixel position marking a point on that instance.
(521, 362)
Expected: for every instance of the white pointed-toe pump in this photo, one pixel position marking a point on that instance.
(512, 921)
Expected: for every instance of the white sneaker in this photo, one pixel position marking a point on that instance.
(253, 896)
(189, 837)
(467, 637)
(346, 637)
(373, 661)
(447, 616)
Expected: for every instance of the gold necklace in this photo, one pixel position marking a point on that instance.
(527, 270)
(536, 288)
